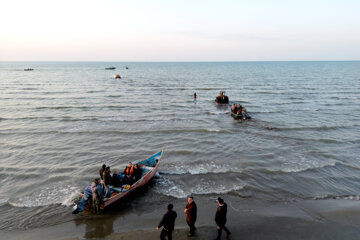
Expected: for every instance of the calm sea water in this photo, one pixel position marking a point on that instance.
(62, 121)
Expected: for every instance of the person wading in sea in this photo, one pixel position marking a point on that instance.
(220, 218)
(168, 221)
(191, 213)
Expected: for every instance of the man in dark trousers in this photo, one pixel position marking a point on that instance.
(168, 221)
(220, 218)
(191, 213)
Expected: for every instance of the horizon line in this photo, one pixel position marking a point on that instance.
(244, 61)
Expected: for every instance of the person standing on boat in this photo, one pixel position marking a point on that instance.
(220, 218)
(191, 214)
(168, 221)
(101, 171)
(107, 181)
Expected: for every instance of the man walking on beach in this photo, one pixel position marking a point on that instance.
(191, 213)
(220, 218)
(168, 221)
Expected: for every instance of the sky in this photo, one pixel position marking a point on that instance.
(179, 30)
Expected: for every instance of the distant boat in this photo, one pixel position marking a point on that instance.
(222, 98)
(126, 67)
(110, 68)
(28, 69)
(240, 116)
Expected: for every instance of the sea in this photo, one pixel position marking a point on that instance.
(60, 122)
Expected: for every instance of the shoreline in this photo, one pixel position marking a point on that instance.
(247, 219)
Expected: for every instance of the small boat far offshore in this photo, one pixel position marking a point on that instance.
(110, 68)
(28, 69)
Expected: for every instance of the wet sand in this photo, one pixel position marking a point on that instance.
(247, 219)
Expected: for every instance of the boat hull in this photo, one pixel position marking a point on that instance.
(141, 182)
(236, 116)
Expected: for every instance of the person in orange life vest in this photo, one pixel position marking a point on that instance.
(129, 171)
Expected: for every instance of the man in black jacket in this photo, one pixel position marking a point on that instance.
(168, 221)
(220, 218)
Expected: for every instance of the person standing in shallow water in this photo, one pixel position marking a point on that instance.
(220, 218)
(168, 221)
(191, 214)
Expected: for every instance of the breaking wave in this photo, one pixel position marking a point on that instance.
(167, 187)
(46, 196)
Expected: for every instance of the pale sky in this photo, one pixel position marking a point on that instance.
(179, 30)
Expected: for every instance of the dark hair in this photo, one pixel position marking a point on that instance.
(103, 167)
(170, 207)
(107, 168)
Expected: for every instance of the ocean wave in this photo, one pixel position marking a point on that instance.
(305, 165)
(46, 196)
(197, 169)
(167, 187)
(315, 128)
(3, 201)
(81, 129)
(343, 197)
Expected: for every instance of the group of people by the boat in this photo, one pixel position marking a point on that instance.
(222, 98)
(239, 111)
(103, 187)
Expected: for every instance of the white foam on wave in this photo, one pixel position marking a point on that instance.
(46, 196)
(3, 201)
(347, 197)
(203, 168)
(303, 165)
(167, 187)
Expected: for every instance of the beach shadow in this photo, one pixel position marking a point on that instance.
(97, 226)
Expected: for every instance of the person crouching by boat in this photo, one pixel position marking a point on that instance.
(107, 181)
(168, 221)
(101, 171)
(94, 190)
(191, 213)
(129, 171)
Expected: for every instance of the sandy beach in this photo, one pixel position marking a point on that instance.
(247, 219)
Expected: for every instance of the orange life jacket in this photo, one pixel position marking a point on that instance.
(129, 170)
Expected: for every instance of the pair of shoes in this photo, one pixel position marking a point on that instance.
(227, 235)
